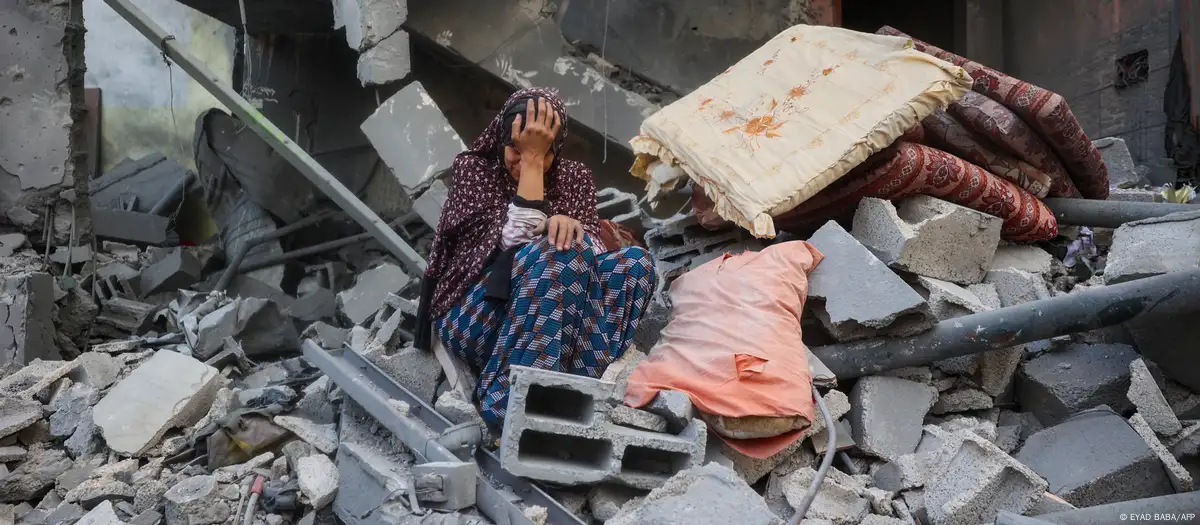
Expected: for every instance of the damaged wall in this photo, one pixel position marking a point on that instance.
(138, 89)
(1081, 65)
(41, 103)
(679, 44)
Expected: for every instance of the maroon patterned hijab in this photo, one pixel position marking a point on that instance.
(477, 207)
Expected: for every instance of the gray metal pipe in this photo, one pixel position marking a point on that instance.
(287, 148)
(1181, 508)
(1110, 214)
(1023, 323)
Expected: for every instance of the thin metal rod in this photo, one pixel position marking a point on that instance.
(175, 191)
(830, 451)
(305, 164)
(1033, 321)
(231, 268)
(1110, 214)
(280, 258)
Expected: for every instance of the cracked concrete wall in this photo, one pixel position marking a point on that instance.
(681, 44)
(41, 105)
(148, 109)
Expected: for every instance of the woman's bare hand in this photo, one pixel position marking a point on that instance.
(562, 231)
(540, 130)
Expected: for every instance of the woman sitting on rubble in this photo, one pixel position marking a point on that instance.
(517, 272)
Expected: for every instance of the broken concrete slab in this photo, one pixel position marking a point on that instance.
(322, 436)
(948, 300)
(16, 414)
(414, 139)
(928, 236)
(11, 242)
(961, 400)
(1078, 377)
(997, 369)
(11, 453)
(429, 205)
(35, 378)
(70, 406)
(132, 227)
(318, 479)
(1015, 286)
(368, 22)
(1179, 476)
(370, 289)
(1149, 400)
(27, 319)
(102, 514)
(708, 494)
(136, 185)
(1154, 246)
(854, 273)
(1022, 257)
(1093, 458)
(177, 270)
(259, 325)
(415, 369)
(1122, 170)
(839, 504)
(33, 477)
(166, 391)
(887, 413)
(96, 369)
(386, 62)
(606, 501)
(976, 481)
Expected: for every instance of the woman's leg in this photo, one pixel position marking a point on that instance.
(552, 321)
(626, 282)
(469, 329)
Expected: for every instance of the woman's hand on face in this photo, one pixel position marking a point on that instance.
(540, 130)
(562, 231)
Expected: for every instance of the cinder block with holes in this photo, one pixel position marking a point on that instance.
(618, 206)
(558, 429)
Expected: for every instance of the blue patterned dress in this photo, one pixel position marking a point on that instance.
(570, 311)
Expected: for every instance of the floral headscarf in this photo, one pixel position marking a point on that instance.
(477, 207)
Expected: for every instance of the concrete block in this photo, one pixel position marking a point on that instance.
(708, 494)
(102, 514)
(839, 504)
(907, 471)
(11, 453)
(1179, 476)
(977, 481)
(1149, 400)
(1093, 458)
(369, 22)
(1122, 171)
(371, 288)
(127, 316)
(97, 370)
(413, 138)
(673, 405)
(997, 369)
(1152, 247)
(1022, 257)
(1078, 377)
(132, 227)
(179, 269)
(195, 501)
(16, 414)
(961, 400)
(69, 407)
(166, 391)
(34, 476)
(928, 236)
(948, 300)
(322, 436)
(887, 413)
(429, 205)
(27, 319)
(836, 291)
(559, 429)
(634, 418)
(1015, 286)
(318, 479)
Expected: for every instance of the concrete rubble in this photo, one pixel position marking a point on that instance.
(140, 384)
